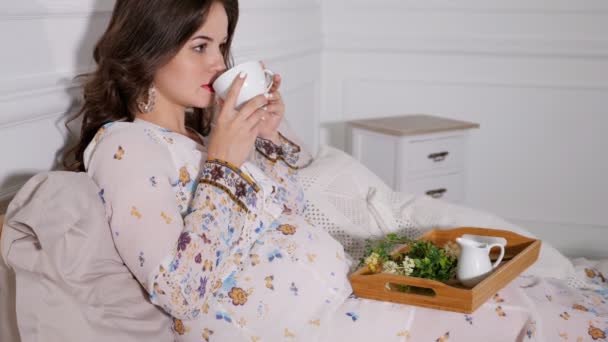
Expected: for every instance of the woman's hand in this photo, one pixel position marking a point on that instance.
(234, 134)
(272, 114)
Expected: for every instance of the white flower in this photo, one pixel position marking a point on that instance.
(408, 265)
(390, 267)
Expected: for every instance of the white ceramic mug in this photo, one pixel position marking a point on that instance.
(258, 81)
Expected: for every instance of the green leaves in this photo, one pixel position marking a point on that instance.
(383, 247)
(430, 261)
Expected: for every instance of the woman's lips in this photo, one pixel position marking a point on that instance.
(209, 88)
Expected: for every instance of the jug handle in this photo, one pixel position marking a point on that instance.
(502, 253)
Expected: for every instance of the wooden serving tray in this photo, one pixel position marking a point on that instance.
(520, 253)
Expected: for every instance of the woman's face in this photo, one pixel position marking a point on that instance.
(186, 80)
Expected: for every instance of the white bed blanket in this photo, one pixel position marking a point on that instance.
(353, 204)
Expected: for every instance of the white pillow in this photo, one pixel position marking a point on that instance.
(352, 204)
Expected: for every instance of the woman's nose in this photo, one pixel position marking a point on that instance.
(219, 65)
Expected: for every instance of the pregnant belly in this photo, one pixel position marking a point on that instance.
(294, 276)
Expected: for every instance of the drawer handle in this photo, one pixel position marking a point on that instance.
(438, 193)
(439, 156)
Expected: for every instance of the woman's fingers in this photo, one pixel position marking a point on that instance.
(255, 119)
(275, 97)
(276, 83)
(235, 90)
(273, 108)
(252, 105)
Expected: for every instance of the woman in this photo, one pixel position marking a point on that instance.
(213, 233)
(206, 232)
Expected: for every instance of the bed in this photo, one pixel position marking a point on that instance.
(556, 299)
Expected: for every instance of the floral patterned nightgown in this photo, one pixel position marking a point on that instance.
(224, 250)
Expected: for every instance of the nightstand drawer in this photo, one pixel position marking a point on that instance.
(448, 187)
(440, 153)
(418, 154)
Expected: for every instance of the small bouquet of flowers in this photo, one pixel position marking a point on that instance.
(423, 259)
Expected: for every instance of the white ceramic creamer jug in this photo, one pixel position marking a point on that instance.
(474, 263)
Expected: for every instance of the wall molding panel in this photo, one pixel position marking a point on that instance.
(370, 82)
(54, 92)
(588, 241)
(278, 5)
(546, 6)
(36, 97)
(278, 50)
(482, 45)
(30, 10)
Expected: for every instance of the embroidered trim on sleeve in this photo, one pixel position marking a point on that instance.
(239, 186)
(293, 147)
(288, 151)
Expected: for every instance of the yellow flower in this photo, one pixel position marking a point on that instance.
(135, 212)
(590, 273)
(119, 153)
(184, 176)
(579, 307)
(100, 132)
(166, 217)
(238, 296)
(179, 327)
(373, 262)
(287, 229)
(596, 333)
(207, 334)
(316, 322)
(255, 259)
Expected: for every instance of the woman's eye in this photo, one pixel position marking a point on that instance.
(200, 48)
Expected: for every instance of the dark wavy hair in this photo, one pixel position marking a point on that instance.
(142, 36)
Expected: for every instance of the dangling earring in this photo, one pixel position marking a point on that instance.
(147, 107)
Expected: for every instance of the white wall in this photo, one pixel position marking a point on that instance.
(533, 73)
(287, 36)
(46, 43)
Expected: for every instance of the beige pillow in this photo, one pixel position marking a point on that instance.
(8, 320)
(71, 284)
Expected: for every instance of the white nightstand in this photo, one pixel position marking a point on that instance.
(419, 154)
